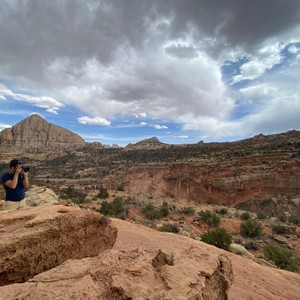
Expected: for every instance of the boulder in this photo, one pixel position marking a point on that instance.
(40, 196)
(36, 239)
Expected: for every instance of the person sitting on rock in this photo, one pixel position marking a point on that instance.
(15, 182)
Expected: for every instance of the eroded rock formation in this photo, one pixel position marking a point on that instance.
(36, 239)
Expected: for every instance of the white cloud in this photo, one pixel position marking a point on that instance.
(156, 126)
(93, 121)
(293, 49)
(265, 59)
(143, 123)
(182, 137)
(259, 92)
(49, 103)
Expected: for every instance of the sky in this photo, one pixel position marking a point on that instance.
(121, 71)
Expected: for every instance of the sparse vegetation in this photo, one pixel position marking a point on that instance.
(188, 210)
(169, 227)
(218, 237)
(209, 217)
(113, 209)
(278, 228)
(76, 196)
(251, 228)
(245, 216)
(281, 257)
(103, 193)
(251, 245)
(151, 212)
(294, 220)
(222, 211)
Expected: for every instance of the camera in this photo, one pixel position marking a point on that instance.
(25, 169)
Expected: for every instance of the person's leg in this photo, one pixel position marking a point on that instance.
(22, 203)
(14, 205)
(11, 205)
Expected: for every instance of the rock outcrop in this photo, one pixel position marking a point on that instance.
(36, 134)
(147, 264)
(36, 239)
(38, 196)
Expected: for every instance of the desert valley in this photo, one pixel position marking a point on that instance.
(151, 220)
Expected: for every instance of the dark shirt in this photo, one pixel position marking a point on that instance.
(16, 194)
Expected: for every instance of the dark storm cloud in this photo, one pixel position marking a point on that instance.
(244, 23)
(112, 57)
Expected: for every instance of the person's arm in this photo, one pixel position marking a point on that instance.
(26, 180)
(13, 183)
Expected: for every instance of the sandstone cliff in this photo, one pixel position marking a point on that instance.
(34, 133)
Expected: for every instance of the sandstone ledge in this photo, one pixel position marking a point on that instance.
(36, 239)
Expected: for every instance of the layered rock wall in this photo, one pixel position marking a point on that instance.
(242, 179)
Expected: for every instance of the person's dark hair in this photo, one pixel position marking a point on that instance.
(15, 162)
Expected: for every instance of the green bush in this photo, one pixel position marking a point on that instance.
(261, 215)
(76, 196)
(278, 228)
(222, 211)
(218, 237)
(294, 220)
(152, 212)
(210, 218)
(169, 227)
(115, 208)
(188, 210)
(164, 209)
(251, 245)
(103, 193)
(282, 257)
(251, 228)
(245, 216)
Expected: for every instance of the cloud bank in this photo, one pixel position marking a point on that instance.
(157, 59)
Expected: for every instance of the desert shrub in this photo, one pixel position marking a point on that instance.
(103, 193)
(282, 257)
(222, 211)
(169, 227)
(294, 220)
(283, 218)
(153, 212)
(210, 218)
(188, 210)
(261, 215)
(76, 196)
(164, 209)
(251, 245)
(251, 228)
(115, 208)
(245, 216)
(278, 228)
(218, 237)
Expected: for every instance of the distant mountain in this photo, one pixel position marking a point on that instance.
(34, 133)
(152, 143)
